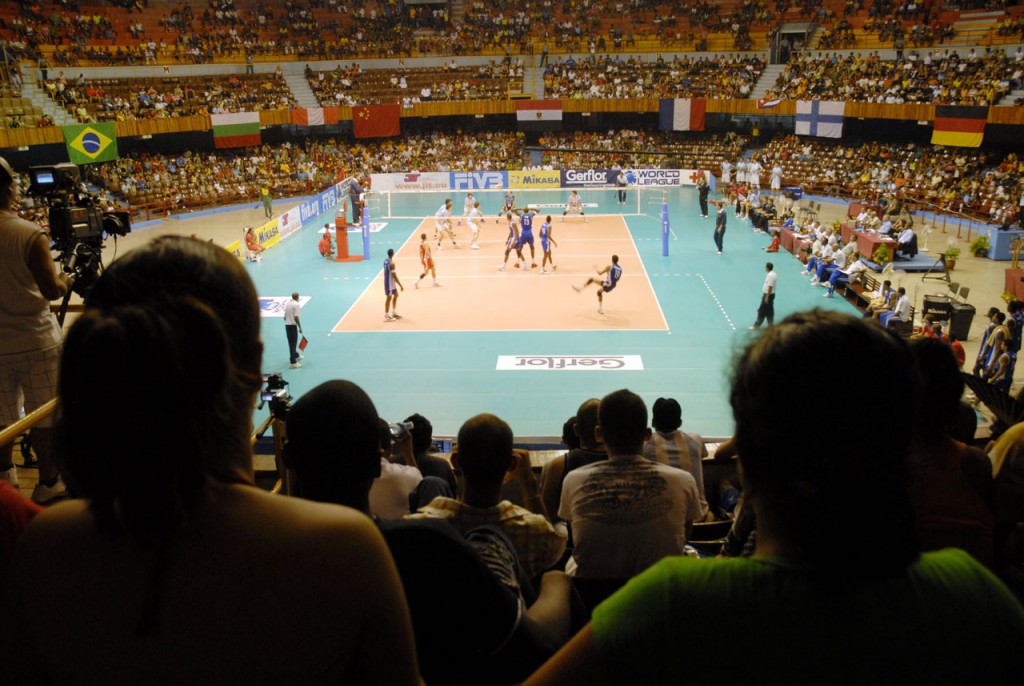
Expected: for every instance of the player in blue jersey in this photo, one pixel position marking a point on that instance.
(546, 241)
(614, 272)
(526, 235)
(391, 286)
(512, 242)
(510, 205)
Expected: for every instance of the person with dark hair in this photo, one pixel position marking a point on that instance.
(422, 441)
(626, 512)
(391, 285)
(159, 553)
(766, 308)
(900, 311)
(606, 285)
(589, 448)
(467, 611)
(950, 483)
(292, 329)
(1003, 365)
(668, 445)
(993, 345)
(986, 346)
(30, 337)
(720, 221)
(858, 616)
(484, 458)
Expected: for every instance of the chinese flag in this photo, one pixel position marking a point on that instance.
(376, 121)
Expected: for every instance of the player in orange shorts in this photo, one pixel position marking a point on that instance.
(427, 259)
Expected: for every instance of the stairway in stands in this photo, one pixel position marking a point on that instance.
(31, 89)
(458, 12)
(971, 27)
(768, 78)
(300, 89)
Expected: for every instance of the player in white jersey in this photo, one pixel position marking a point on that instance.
(443, 221)
(473, 220)
(754, 175)
(741, 172)
(512, 242)
(726, 168)
(776, 187)
(467, 207)
(575, 205)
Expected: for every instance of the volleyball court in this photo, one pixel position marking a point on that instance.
(474, 295)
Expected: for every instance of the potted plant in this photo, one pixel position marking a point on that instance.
(881, 255)
(951, 254)
(980, 245)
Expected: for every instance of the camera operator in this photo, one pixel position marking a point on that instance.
(30, 337)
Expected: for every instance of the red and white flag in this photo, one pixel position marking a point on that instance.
(539, 110)
(315, 116)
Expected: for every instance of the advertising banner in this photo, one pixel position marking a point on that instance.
(535, 179)
(478, 180)
(579, 178)
(411, 181)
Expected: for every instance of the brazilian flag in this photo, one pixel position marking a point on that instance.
(88, 143)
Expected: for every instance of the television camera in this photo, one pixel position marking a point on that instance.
(78, 222)
(276, 393)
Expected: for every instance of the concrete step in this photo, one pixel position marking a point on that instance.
(768, 78)
(299, 87)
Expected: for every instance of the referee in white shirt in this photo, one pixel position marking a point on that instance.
(293, 327)
(766, 310)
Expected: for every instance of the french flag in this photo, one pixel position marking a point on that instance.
(682, 114)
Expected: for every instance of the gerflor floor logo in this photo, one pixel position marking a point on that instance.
(509, 363)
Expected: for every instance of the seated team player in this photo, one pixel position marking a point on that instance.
(508, 206)
(859, 618)
(844, 276)
(526, 235)
(512, 243)
(325, 246)
(900, 311)
(614, 272)
(468, 612)
(575, 205)
(626, 512)
(158, 552)
(252, 245)
(485, 458)
(837, 260)
(882, 300)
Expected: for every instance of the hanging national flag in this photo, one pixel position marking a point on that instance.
(315, 116)
(538, 110)
(376, 121)
(765, 104)
(820, 118)
(88, 143)
(958, 125)
(236, 130)
(682, 115)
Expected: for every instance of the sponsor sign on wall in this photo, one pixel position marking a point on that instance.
(659, 177)
(273, 305)
(579, 363)
(411, 181)
(289, 223)
(535, 179)
(577, 178)
(478, 180)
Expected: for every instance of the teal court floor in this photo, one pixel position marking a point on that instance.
(708, 302)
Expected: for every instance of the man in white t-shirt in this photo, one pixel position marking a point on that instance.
(766, 310)
(626, 512)
(900, 312)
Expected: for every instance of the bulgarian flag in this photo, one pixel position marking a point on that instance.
(236, 130)
(538, 110)
(315, 116)
(959, 125)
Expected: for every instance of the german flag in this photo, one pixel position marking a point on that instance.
(959, 125)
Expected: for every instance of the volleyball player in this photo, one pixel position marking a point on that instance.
(575, 206)
(467, 207)
(526, 236)
(510, 205)
(443, 221)
(390, 290)
(614, 272)
(427, 260)
(473, 220)
(512, 242)
(546, 241)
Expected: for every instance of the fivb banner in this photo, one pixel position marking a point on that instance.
(411, 181)
(325, 201)
(478, 180)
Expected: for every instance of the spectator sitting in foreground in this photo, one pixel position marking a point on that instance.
(156, 562)
(669, 445)
(857, 616)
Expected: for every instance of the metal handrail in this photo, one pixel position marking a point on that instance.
(8, 434)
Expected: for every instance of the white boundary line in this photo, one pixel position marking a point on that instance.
(650, 284)
(715, 298)
(372, 279)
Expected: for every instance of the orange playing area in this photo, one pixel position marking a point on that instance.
(475, 296)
